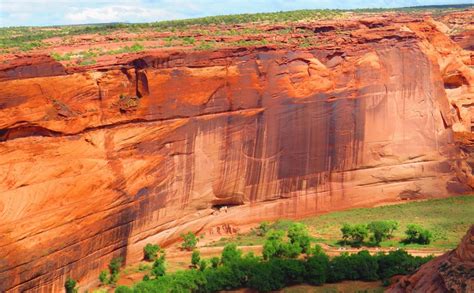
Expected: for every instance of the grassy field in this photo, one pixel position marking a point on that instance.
(448, 219)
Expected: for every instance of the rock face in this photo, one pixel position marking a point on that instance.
(97, 162)
(451, 272)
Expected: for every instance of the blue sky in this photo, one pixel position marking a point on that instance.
(51, 12)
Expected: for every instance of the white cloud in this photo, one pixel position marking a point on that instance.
(48, 12)
(117, 13)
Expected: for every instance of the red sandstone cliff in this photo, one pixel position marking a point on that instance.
(95, 162)
(451, 272)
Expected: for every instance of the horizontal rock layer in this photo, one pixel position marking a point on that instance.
(95, 163)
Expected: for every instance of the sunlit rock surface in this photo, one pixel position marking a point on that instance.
(95, 162)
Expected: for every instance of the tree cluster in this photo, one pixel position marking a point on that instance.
(289, 259)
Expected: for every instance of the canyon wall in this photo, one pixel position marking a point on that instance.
(96, 162)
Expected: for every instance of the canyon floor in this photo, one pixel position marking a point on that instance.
(449, 219)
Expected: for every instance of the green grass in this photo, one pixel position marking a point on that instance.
(29, 38)
(448, 219)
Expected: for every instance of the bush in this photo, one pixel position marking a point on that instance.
(123, 289)
(417, 234)
(70, 285)
(249, 271)
(381, 230)
(263, 228)
(316, 269)
(215, 261)
(299, 235)
(189, 241)
(230, 254)
(266, 277)
(275, 246)
(150, 251)
(104, 277)
(195, 258)
(398, 262)
(159, 268)
(357, 233)
(115, 264)
(360, 266)
(203, 264)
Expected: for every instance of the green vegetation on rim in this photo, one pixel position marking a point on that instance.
(28, 38)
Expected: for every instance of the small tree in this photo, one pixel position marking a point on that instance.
(202, 264)
(275, 246)
(195, 258)
(115, 264)
(189, 241)
(70, 285)
(263, 228)
(380, 231)
(215, 261)
(299, 235)
(393, 226)
(104, 277)
(357, 233)
(346, 231)
(114, 268)
(230, 254)
(417, 234)
(316, 268)
(150, 251)
(159, 268)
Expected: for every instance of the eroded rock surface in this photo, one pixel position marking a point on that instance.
(95, 162)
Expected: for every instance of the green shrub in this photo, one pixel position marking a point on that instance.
(357, 233)
(230, 254)
(262, 229)
(195, 258)
(215, 261)
(398, 262)
(189, 241)
(381, 230)
(266, 277)
(417, 234)
(123, 289)
(159, 269)
(249, 271)
(360, 266)
(316, 269)
(70, 285)
(115, 264)
(150, 251)
(203, 264)
(299, 235)
(275, 246)
(104, 277)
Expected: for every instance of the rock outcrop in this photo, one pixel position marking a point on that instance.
(95, 162)
(451, 272)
